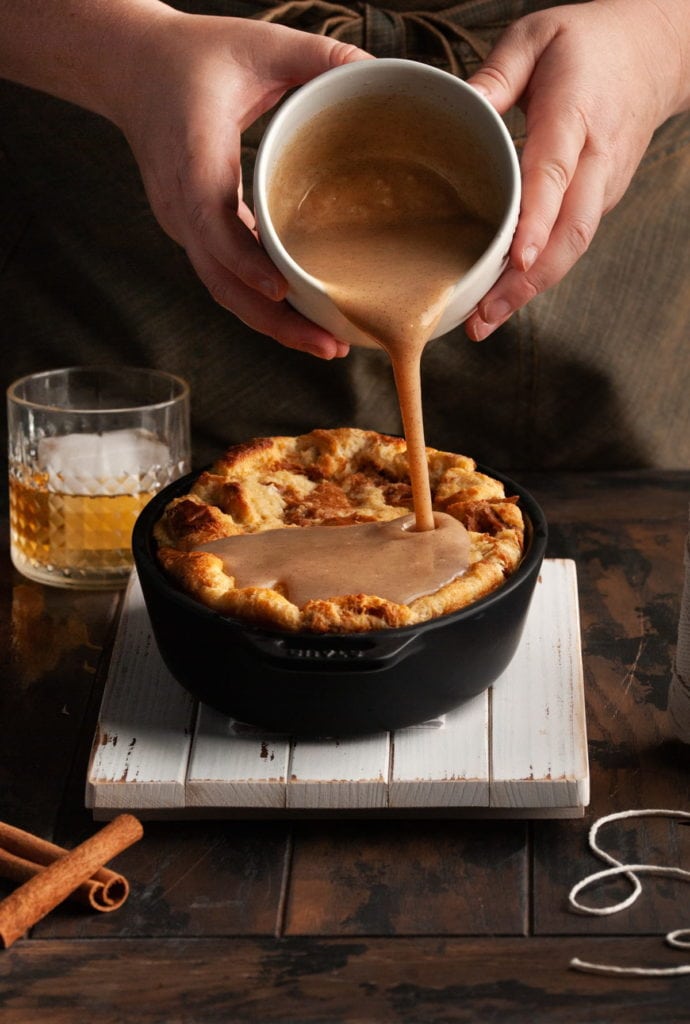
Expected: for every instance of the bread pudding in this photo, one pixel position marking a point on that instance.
(332, 478)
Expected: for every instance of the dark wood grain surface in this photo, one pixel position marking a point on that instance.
(345, 921)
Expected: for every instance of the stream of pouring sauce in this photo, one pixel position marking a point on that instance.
(389, 254)
(388, 237)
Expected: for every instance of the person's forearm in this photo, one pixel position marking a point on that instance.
(669, 21)
(74, 49)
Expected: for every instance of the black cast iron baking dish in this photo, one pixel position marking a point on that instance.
(336, 684)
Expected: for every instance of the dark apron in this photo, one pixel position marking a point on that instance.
(594, 374)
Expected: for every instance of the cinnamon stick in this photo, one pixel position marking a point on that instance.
(54, 882)
(23, 855)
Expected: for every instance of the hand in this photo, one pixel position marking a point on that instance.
(194, 83)
(595, 80)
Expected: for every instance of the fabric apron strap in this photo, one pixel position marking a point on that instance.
(438, 35)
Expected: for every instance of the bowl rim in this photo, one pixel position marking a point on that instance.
(143, 549)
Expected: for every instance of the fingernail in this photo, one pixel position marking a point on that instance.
(479, 330)
(529, 255)
(496, 311)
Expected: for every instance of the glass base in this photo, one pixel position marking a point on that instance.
(72, 579)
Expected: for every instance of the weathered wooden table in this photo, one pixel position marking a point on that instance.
(417, 920)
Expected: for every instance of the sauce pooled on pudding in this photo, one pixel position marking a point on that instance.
(391, 559)
(388, 236)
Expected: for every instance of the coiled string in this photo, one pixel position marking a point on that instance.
(679, 939)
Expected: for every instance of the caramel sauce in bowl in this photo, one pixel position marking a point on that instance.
(307, 684)
(403, 124)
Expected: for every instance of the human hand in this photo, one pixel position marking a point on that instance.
(595, 80)
(194, 84)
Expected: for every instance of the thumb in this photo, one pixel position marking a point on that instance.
(309, 55)
(505, 74)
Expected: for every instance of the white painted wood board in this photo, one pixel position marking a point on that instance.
(519, 749)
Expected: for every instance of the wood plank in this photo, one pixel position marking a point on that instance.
(416, 877)
(444, 764)
(341, 981)
(538, 729)
(144, 732)
(348, 774)
(234, 765)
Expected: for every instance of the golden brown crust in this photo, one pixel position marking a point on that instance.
(334, 477)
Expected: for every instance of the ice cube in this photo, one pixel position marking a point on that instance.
(115, 462)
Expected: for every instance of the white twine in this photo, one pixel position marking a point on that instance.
(679, 939)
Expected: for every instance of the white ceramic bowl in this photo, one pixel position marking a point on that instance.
(476, 119)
